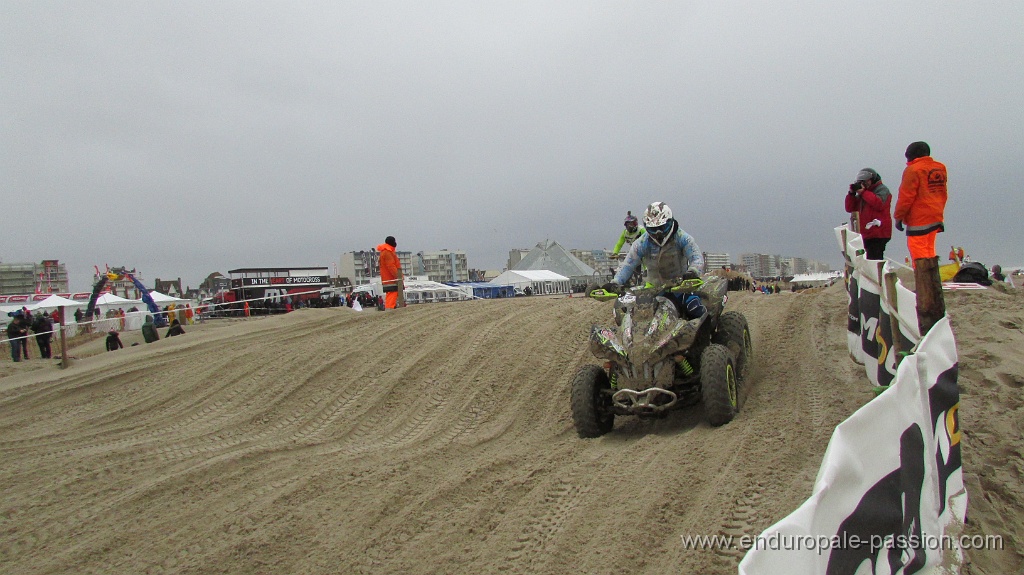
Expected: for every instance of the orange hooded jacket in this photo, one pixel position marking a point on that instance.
(389, 264)
(922, 198)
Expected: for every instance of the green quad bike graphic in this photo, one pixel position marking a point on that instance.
(656, 362)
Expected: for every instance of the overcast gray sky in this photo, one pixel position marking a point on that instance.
(183, 138)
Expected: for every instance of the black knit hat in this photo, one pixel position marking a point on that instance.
(918, 150)
(390, 240)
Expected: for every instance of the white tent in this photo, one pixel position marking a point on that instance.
(419, 291)
(540, 282)
(55, 301)
(110, 299)
(816, 278)
(164, 299)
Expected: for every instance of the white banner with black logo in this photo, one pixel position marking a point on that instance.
(875, 308)
(889, 497)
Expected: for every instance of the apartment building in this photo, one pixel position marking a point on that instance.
(48, 276)
(601, 260)
(762, 265)
(716, 261)
(442, 266)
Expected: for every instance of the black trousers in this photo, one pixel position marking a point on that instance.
(44, 345)
(874, 248)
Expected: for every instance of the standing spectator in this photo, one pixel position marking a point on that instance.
(42, 327)
(26, 322)
(113, 341)
(78, 315)
(390, 272)
(871, 200)
(189, 315)
(922, 201)
(17, 332)
(149, 332)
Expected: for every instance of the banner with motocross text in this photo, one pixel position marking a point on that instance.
(889, 496)
(874, 308)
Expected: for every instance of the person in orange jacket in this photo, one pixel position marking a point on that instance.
(390, 272)
(921, 201)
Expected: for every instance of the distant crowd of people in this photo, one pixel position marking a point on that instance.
(42, 324)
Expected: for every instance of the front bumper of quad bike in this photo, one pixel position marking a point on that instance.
(651, 401)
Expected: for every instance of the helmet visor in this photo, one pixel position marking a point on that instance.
(658, 233)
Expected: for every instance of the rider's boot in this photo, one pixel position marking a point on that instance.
(694, 307)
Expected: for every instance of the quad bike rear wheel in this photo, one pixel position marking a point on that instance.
(734, 333)
(718, 384)
(591, 408)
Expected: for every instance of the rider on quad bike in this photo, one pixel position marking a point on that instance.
(672, 346)
(668, 253)
(630, 235)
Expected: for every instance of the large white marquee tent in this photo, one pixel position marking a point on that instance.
(540, 282)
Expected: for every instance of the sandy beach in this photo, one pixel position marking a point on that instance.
(437, 439)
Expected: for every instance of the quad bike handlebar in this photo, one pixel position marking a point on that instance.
(681, 286)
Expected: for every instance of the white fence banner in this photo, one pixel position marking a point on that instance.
(889, 497)
(870, 333)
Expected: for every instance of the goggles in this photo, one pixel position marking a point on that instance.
(659, 232)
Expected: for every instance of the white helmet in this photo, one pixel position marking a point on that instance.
(658, 223)
(657, 214)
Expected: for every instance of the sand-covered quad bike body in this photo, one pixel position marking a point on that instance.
(657, 361)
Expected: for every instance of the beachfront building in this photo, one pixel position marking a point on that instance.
(515, 256)
(442, 266)
(716, 261)
(364, 265)
(601, 260)
(765, 266)
(214, 284)
(169, 287)
(762, 266)
(48, 276)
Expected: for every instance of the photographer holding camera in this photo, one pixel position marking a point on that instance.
(871, 200)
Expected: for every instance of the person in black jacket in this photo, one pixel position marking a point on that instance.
(113, 341)
(16, 332)
(42, 327)
(176, 329)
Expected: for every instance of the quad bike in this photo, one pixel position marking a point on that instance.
(656, 362)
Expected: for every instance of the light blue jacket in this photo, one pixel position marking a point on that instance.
(664, 263)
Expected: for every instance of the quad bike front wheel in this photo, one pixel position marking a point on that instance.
(734, 333)
(718, 384)
(591, 407)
